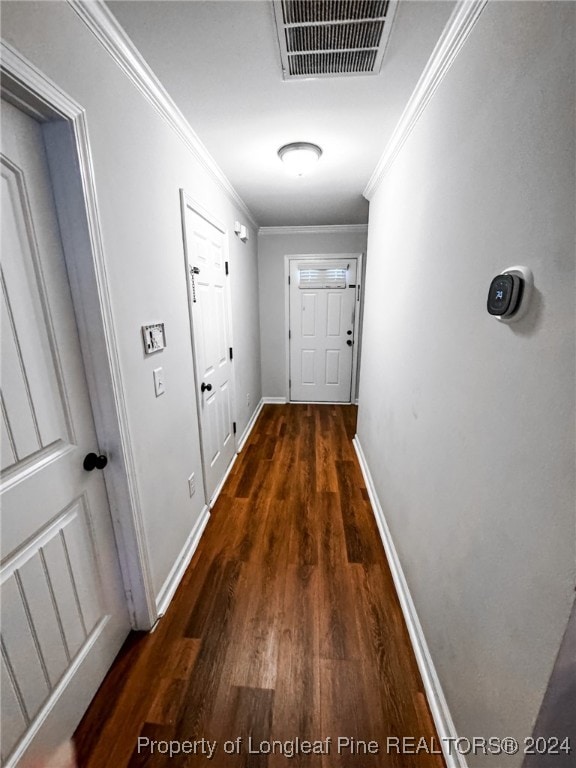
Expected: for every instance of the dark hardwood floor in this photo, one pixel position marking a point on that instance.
(286, 626)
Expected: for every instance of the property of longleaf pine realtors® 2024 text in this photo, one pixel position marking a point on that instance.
(346, 745)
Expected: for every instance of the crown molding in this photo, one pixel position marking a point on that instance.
(455, 34)
(107, 30)
(327, 229)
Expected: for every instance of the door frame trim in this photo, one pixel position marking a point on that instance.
(68, 149)
(357, 314)
(187, 201)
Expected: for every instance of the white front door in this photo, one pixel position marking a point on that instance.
(207, 290)
(322, 323)
(63, 605)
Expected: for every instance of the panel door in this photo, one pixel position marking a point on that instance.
(322, 305)
(63, 606)
(205, 247)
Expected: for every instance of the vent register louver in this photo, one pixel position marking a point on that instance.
(332, 38)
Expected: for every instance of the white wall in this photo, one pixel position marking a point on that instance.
(272, 248)
(467, 423)
(140, 165)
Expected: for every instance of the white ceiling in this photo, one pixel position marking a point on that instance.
(219, 61)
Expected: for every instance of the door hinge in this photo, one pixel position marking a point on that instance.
(234, 427)
(289, 334)
(226, 266)
(288, 279)
(231, 354)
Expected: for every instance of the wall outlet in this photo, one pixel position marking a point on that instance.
(192, 484)
(248, 400)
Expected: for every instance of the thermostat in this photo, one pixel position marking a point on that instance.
(509, 294)
(153, 337)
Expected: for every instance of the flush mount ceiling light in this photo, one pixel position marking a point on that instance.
(300, 157)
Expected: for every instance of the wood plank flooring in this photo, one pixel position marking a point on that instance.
(286, 626)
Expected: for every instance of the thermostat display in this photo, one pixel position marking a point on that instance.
(509, 294)
(503, 295)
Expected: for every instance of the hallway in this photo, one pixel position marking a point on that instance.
(286, 624)
(147, 134)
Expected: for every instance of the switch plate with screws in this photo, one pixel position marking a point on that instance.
(159, 385)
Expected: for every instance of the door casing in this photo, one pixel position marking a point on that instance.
(69, 158)
(357, 314)
(186, 201)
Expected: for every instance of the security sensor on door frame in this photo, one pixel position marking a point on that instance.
(509, 294)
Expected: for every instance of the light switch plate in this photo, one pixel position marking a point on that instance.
(159, 385)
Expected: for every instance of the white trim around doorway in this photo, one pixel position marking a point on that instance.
(357, 315)
(187, 201)
(69, 156)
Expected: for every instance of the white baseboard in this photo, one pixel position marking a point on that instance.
(436, 699)
(249, 426)
(220, 485)
(274, 400)
(320, 402)
(174, 577)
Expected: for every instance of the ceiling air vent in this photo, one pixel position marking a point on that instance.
(332, 38)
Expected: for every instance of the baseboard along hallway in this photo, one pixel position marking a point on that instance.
(285, 643)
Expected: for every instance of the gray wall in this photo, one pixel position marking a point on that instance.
(272, 248)
(140, 165)
(468, 424)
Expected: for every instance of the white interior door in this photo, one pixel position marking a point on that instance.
(207, 284)
(63, 606)
(322, 324)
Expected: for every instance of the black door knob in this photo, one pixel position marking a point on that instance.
(93, 461)
(206, 387)
(349, 342)
(349, 333)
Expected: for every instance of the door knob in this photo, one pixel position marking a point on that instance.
(93, 461)
(349, 333)
(206, 387)
(349, 342)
